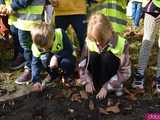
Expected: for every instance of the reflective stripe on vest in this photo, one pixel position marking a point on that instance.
(116, 12)
(117, 51)
(30, 16)
(11, 18)
(56, 47)
(157, 3)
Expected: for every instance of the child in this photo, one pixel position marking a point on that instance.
(105, 60)
(53, 50)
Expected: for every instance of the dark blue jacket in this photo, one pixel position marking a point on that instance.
(16, 4)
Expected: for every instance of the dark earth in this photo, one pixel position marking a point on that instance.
(57, 102)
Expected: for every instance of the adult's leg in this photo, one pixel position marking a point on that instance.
(62, 22)
(78, 22)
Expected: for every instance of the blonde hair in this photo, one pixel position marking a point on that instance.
(42, 34)
(99, 22)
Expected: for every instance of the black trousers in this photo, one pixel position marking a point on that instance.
(102, 67)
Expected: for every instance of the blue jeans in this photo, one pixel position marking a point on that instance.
(18, 50)
(67, 65)
(77, 22)
(26, 42)
(136, 12)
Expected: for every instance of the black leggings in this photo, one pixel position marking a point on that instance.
(102, 67)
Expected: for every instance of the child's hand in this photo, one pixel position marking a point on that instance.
(101, 94)
(3, 10)
(53, 62)
(89, 87)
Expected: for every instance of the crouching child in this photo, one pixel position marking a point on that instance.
(105, 60)
(53, 51)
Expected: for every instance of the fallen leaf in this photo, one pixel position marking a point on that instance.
(102, 110)
(131, 97)
(91, 105)
(83, 95)
(67, 93)
(114, 109)
(59, 95)
(76, 97)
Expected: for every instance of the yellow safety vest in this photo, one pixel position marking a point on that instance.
(157, 3)
(11, 18)
(117, 51)
(56, 47)
(30, 16)
(115, 10)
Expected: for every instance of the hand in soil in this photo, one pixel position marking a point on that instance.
(37, 87)
(101, 94)
(89, 87)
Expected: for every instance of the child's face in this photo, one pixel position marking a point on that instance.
(100, 38)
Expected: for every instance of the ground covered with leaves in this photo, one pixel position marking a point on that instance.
(60, 103)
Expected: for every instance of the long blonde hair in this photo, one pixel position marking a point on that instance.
(99, 22)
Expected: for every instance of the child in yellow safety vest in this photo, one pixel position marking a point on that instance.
(53, 51)
(105, 60)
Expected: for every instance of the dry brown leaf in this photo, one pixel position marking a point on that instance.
(127, 91)
(83, 95)
(59, 95)
(102, 110)
(76, 97)
(131, 97)
(135, 92)
(67, 93)
(91, 105)
(114, 109)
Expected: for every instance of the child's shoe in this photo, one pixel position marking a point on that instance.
(138, 81)
(158, 85)
(24, 78)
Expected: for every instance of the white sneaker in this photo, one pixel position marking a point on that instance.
(157, 88)
(138, 81)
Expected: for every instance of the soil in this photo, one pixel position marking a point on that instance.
(56, 101)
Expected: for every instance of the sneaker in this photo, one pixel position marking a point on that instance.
(138, 81)
(158, 85)
(18, 63)
(24, 78)
(119, 91)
